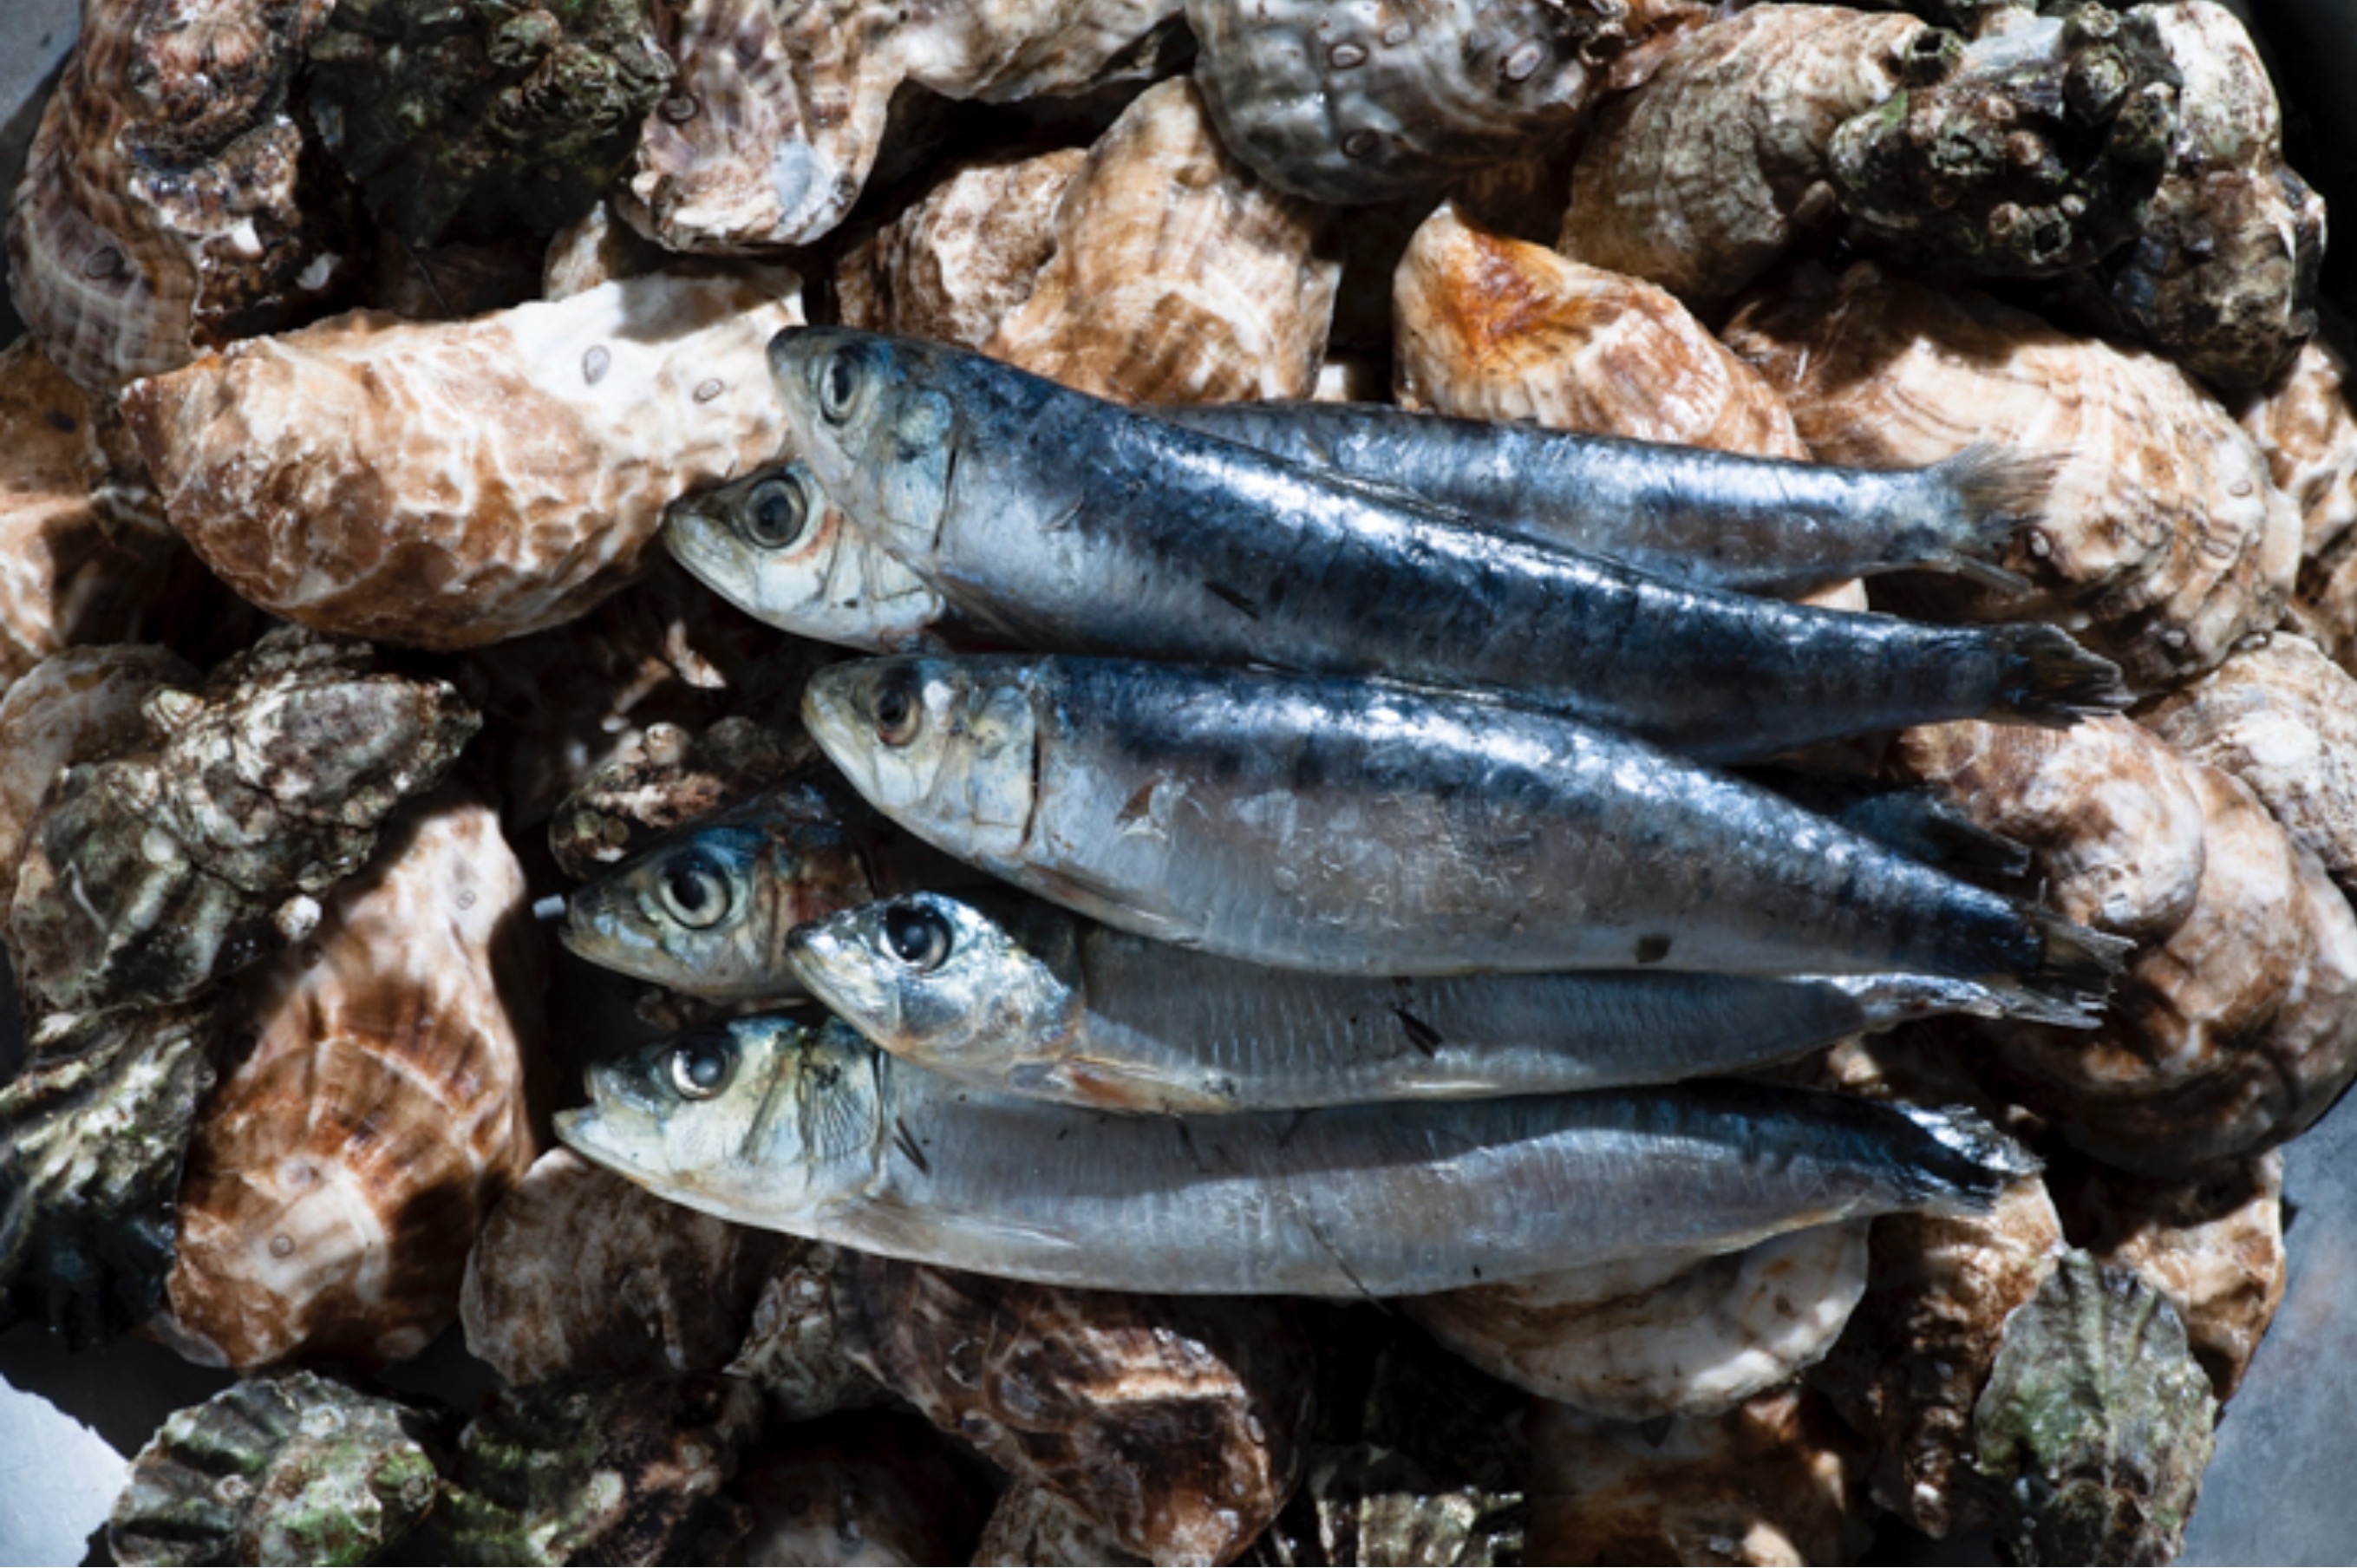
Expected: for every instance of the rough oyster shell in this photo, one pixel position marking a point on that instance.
(863, 1491)
(1377, 99)
(2161, 544)
(280, 1470)
(595, 249)
(93, 1137)
(2306, 425)
(1177, 276)
(1701, 179)
(2235, 1025)
(166, 205)
(453, 484)
(671, 777)
(1170, 1420)
(1775, 1480)
(480, 120)
(1036, 1526)
(779, 112)
(2096, 1421)
(578, 1274)
(341, 1168)
(1670, 1336)
(624, 1472)
(794, 1351)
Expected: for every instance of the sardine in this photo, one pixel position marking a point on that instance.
(1073, 524)
(1354, 827)
(1714, 520)
(773, 544)
(706, 907)
(1017, 996)
(810, 1130)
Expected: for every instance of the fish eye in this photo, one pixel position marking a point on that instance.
(917, 935)
(693, 892)
(839, 386)
(775, 512)
(700, 1068)
(897, 712)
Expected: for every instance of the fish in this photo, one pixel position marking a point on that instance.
(1685, 514)
(1361, 828)
(1017, 996)
(800, 1126)
(774, 546)
(706, 907)
(1071, 524)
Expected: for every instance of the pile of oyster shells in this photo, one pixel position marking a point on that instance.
(402, 325)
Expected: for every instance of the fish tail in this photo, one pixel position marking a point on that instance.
(2050, 680)
(1885, 1000)
(1989, 491)
(2076, 965)
(1972, 1162)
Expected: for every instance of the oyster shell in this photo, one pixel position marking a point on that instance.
(670, 777)
(794, 1351)
(595, 249)
(625, 1472)
(93, 1136)
(2307, 427)
(1170, 1420)
(1775, 1480)
(1177, 276)
(863, 1491)
(341, 1168)
(171, 202)
(1666, 1336)
(2235, 1025)
(475, 120)
(1906, 1370)
(2095, 1423)
(449, 485)
(291, 1469)
(777, 112)
(578, 1274)
(1366, 101)
(1035, 1526)
(1700, 180)
(2161, 544)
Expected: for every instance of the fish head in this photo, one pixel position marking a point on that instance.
(944, 747)
(871, 417)
(774, 544)
(937, 980)
(688, 912)
(761, 1120)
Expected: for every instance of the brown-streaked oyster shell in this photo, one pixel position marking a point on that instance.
(153, 872)
(1776, 1480)
(2236, 1023)
(1035, 1527)
(453, 484)
(342, 1166)
(293, 1469)
(777, 115)
(869, 1490)
(171, 201)
(1662, 1335)
(1704, 176)
(1363, 102)
(2306, 425)
(1171, 1420)
(595, 249)
(1178, 275)
(626, 1472)
(2161, 542)
(579, 1274)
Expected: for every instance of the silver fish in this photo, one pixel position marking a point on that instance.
(773, 544)
(1017, 996)
(1072, 525)
(809, 1129)
(1352, 827)
(1715, 519)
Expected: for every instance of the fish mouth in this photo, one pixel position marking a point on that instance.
(687, 534)
(830, 714)
(825, 963)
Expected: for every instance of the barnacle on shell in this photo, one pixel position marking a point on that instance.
(452, 484)
(2096, 1421)
(625, 1472)
(484, 117)
(674, 777)
(342, 1166)
(2160, 543)
(869, 1490)
(794, 1349)
(291, 1469)
(1178, 275)
(1035, 1527)
(171, 201)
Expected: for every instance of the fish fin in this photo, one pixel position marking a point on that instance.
(2050, 680)
(1078, 891)
(2015, 1000)
(1889, 1000)
(1993, 490)
(2076, 965)
(1980, 1160)
(882, 1220)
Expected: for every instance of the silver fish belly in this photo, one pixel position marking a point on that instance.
(1017, 996)
(1714, 520)
(814, 1132)
(1072, 525)
(1351, 827)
